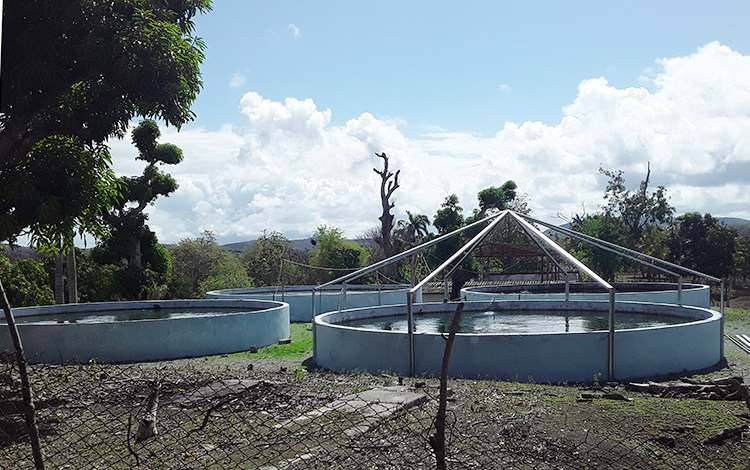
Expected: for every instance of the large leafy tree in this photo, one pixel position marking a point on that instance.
(60, 187)
(636, 219)
(495, 199)
(639, 210)
(273, 260)
(130, 242)
(334, 252)
(448, 219)
(200, 265)
(80, 70)
(702, 243)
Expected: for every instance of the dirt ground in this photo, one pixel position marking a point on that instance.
(569, 423)
(491, 424)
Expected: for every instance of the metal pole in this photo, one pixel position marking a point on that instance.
(414, 269)
(611, 368)
(445, 290)
(679, 290)
(571, 259)
(314, 328)
(721, 323)
(410, 331)
(417, 249)
(621, 250)
(567, 287)
(343, 298)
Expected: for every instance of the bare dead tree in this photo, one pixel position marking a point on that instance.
(437, 441)
(388, 184)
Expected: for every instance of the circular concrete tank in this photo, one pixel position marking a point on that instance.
(527, 357)
(695, 295)
(328, 299)
(146, 330)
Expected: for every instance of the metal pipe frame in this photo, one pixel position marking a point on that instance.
(400, 256)
(468, 247)
(621, 250)
(562, 252)
(611, 337)
(541, 247)
(637, 257)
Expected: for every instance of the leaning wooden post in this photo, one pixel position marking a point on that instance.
(28, 397)
(437, 441)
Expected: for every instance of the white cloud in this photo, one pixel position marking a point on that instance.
(503, 87)
(290, 170)
(238, 80)
(294, 29)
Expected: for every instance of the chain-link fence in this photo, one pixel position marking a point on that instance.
(99, 416)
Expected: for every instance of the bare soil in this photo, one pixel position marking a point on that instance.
(86, 413)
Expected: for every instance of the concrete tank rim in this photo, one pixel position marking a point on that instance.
(62, 309)
(712, 316)
(486, 289)
(306, 289)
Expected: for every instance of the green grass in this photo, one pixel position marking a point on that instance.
(301, 345)
(736, 313)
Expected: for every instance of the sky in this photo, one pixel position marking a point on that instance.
(299, 96)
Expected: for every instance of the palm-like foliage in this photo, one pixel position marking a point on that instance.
(412, 231)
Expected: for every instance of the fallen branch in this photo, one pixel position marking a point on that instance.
(147, 426)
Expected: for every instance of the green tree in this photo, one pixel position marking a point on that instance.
(200, 265)
(495, 199)
(412, 231)
(74, 73)
(61, 187)
(335, 252)
(606, 227)
(84, 68)
(702, 243)
(638, 210)
(448, 219)
(130, 242)
(97, 282)
(264, 261)
(26, 282)
(742, 257)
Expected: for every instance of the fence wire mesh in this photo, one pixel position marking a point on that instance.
(89, 417)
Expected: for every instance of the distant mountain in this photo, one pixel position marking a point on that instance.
(733, 221)
(301, 245)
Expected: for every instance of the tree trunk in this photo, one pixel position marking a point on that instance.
(387, 187)
(72, 278)
(437, 441)
(59, 283)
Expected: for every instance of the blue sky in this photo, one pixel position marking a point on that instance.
(463, 66)
(299, 95)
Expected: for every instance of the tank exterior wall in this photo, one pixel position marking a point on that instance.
(150, 340)
(695, 296)
(552, 358)
(299, 298)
